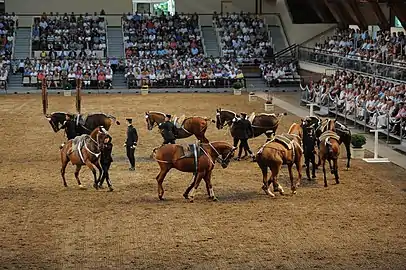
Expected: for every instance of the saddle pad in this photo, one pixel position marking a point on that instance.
(178, 121)
(188, 151)
(285, 140)
(329, 134)
(77, 140)
(80, 119)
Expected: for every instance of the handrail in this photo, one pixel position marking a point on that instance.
(318, 35)
(218, 39)
(201, 36)
(14, 43)
(283, 28)
(122, 34)
(32, 28)
(107, 38)
(287, 49)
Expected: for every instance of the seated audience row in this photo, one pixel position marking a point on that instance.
(380, 103)
(60, 74)
(146, 35)
(69, 32)
(8, 26)
(182, 72)
(279, 73)
(242, 36)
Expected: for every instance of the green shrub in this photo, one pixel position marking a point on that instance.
(358, 140)
(237, 85)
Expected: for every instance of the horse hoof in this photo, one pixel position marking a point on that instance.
(215, 199)
(96, 186)
(82, 187)
(110, 189)
(186, 196)
(161, 198)
(191, 200)
(347, 169)
(325, 185)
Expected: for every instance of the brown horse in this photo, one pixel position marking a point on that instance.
(283, 149)
(183, 159)
(85, 124)
(263, 123)
(84, 150)
(194, 125)
(330, 150)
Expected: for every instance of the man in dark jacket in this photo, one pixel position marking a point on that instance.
(244, 132)
(70, 127)
(131, 143)
(105, 161)
(168, 130)
(309, 144)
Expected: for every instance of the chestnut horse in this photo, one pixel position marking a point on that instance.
(171, 156)
(330, 150)
(87, 152)
(194, 125)
(283, 149)
(261, 124)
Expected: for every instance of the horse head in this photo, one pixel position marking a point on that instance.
(98, 135)
(224, 152)
(56, 119)
(224, 117)
(153, 118)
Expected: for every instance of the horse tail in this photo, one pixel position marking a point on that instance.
(209, 119)
(114, 119)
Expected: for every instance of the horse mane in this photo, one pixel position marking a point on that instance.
(291, 126)
(229, 111)
(228, 144)
(157, 112)
(59, 113)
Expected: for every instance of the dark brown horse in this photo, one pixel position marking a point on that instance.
(261, 123)
(85, 124)
(194, 125)
(283, 149)
(330, 150)
(84, 150)
(175, 156)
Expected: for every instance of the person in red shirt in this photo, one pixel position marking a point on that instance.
(101, 79)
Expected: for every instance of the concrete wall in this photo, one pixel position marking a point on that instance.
(78, 6)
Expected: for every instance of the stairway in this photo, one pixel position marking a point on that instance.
(115, 42)
(278, 38)
(22, 43)
(210, 41)
(119, 81)
(256, 83)
(15, 82)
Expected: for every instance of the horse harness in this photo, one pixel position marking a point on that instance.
(82, 143)
(288, 141)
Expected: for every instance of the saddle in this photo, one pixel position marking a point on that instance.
(191, 150)
(80, 120)
(178, 121)
(329, 134)
(78, 140)
(285, 139)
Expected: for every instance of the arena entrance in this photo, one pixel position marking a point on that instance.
(156, 7)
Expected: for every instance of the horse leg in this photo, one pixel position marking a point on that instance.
(348, 150)
(207, 179)
(160, 179)
(324, 171)
(265, 187)
(77, 170)
(96, 185)
(91, 166)
(292, 186)
(335, 164)
(65, 162)
(199, 177)
(299, 171)
(331, 166)
(191, 185)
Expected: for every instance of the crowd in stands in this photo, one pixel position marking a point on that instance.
(63, 73)
(242, 36)
(148, 36)
(62, 34)
(379, 103)
(384, 47)
(186, 71)
(276, 73)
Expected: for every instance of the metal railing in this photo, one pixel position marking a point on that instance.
(14, 43)
(357, 115)
(380, 70)
(107, 37)
(201, 36)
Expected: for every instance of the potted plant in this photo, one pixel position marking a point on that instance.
(269, 106)
(252, 96)
(237, 86)
(357, 150)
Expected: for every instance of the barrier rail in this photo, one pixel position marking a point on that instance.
(380, 70)
(328, 105)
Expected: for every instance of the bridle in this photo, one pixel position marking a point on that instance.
(224, 123)
(219, 158)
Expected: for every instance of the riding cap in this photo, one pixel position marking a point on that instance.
(130, 120)
(243, 114)
(168, 115)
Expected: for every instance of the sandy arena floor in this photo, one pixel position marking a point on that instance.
(359, 224)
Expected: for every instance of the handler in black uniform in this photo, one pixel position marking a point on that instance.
(309, 144)
(105, 161)
(131, 143)
(244, 133)
(168, 130)
(70, 127)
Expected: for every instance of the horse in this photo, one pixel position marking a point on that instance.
(330, 150)
(198, 159)
(342, 131)
(261, 124)
(84, 150)
(282, 149)
(194, 125)
(85, 124)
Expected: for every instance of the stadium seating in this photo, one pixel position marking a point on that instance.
(243, 36)
(69, 36)
(378, 103)
(280, 73)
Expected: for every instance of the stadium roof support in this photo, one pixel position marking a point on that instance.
(399, 9)
(384, 23)
(362, 23)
